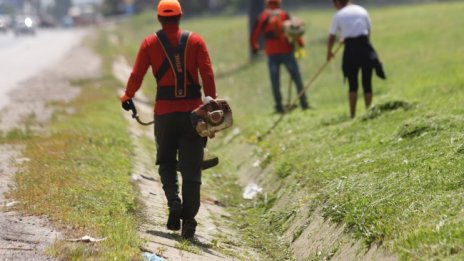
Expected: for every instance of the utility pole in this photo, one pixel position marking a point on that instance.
(255, 7)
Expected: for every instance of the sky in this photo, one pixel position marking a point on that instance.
(47, 2)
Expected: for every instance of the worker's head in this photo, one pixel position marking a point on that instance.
(169, 11)
(340, 3)
(273, 3)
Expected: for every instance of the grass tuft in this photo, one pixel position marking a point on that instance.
(379, 109)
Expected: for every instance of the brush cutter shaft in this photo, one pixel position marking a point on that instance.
(316, 75)
(260, 138)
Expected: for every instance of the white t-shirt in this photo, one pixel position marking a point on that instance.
(352, 21)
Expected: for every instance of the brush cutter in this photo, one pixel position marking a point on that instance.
(209, 160)
(211, 117)
(294, 29)
(318, 72)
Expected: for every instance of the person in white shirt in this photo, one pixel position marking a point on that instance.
(353, 24)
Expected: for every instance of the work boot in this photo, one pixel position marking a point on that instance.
(175, 212)
(279, 109)
(304, 104)
(188, 228)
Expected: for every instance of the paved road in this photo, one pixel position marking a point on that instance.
(26, 56)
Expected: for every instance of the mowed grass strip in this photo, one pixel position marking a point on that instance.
(78, 176)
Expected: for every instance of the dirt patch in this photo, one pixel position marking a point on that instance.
(21, 237)
(27, 237)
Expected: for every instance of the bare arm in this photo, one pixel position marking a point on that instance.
(330, 44)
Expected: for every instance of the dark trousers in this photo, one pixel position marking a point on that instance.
(177, 142)
(290, 63)
(358, 55)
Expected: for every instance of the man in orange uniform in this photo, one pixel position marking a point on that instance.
(176, 58)
(278, 49)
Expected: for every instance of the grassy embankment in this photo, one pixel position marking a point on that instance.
(78, 173)
(394, 175)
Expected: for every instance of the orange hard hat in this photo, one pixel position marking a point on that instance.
(169, 8)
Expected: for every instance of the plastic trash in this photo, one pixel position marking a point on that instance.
(251, 190)
(87, 239)
(152, 257)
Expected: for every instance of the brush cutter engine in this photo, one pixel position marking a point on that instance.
(294, 28)
(211, 117)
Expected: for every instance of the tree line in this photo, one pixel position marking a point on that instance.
(197, 7)
(200, 7)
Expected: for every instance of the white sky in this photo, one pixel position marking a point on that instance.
(47, 2)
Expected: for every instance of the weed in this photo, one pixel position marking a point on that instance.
(188, 246)
(297, 233)
(19, 134)
(284, 169)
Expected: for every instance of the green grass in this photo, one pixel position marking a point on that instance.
(79, 175)
(394, 175)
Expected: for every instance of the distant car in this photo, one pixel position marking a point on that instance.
(24, 25)
(46, 21)
(3, 27)
(4, 23)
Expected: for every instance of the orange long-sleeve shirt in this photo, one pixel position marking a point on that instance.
(278, 45)
(197, 62)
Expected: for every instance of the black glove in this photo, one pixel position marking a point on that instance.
(128, 105)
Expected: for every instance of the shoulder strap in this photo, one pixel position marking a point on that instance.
(270, 13)
(175, 58)
(266, 21)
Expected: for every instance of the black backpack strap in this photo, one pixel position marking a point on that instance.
(176, 59)
(266, 21)
(162, 70)
(270, 14)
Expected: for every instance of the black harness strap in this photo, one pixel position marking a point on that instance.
(162, 70)
(271, 13)
(175, 58)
